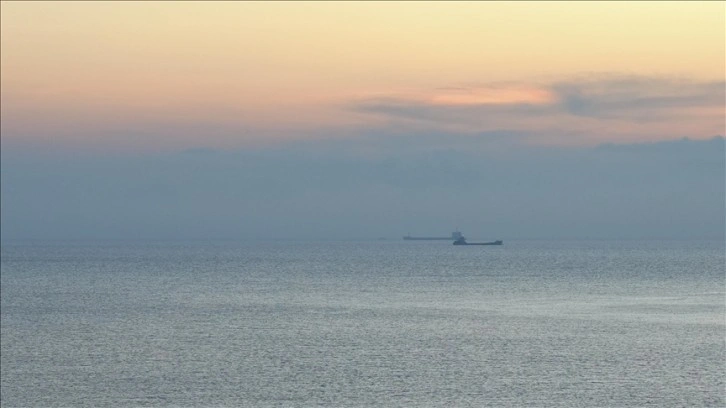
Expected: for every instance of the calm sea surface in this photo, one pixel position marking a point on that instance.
(348, 324)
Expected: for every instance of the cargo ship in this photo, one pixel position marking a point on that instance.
(462, 241)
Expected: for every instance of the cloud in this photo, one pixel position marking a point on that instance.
(590, 105)
(636, 98)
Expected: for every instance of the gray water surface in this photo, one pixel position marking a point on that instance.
(349, 324)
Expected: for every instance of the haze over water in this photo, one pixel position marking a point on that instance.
(366, 323)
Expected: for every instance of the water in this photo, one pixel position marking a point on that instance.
(349, 324)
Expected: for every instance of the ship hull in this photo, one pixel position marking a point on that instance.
(427, 238)
(478, 243)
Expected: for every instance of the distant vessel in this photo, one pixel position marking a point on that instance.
(454, 236)
(462, 241)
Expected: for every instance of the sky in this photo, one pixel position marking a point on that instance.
(314, 120)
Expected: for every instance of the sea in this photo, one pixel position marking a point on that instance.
(378, 323)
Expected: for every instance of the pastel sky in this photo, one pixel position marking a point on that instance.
(169, 76)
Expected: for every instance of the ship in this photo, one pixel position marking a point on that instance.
(454, 236)
(462, 241)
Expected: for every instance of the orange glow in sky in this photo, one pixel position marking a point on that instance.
(80, 71)
(493, 96)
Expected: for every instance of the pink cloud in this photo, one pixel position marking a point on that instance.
(589, 109)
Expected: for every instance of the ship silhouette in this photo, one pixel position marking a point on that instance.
(456, 236)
